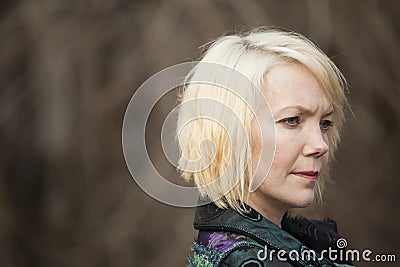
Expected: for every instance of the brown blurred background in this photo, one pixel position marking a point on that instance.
(67, 72)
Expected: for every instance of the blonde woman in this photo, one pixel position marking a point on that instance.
(245, 194)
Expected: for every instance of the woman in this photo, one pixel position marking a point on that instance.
(247, 194)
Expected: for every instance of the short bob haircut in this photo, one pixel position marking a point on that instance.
(253, 54)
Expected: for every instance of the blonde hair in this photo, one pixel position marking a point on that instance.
(253, 54)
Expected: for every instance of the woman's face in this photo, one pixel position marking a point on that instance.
(302, 114)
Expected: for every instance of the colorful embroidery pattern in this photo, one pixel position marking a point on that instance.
(212, 247)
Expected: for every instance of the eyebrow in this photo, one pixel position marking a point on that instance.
(303, 110)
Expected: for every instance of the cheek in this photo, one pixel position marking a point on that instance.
(286, 153)
(281, 165)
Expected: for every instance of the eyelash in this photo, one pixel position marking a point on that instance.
(297, 122)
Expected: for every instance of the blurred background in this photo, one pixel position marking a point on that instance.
(67, 72)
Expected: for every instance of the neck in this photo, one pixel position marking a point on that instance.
(271, 209)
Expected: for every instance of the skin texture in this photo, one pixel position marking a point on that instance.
(301, 140)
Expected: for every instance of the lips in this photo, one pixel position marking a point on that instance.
(311, 175)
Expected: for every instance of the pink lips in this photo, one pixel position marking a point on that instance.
(311, 175)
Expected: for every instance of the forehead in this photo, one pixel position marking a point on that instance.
(293, 84)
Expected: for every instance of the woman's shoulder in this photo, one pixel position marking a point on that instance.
(227, 237)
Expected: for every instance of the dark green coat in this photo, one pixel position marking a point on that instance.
(228, 238)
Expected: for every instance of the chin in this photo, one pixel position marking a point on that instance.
(304, 200)
(304, 204)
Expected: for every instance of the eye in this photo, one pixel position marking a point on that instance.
(291, 121)
(325, 125)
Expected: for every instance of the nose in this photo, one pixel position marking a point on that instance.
(315, 144)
